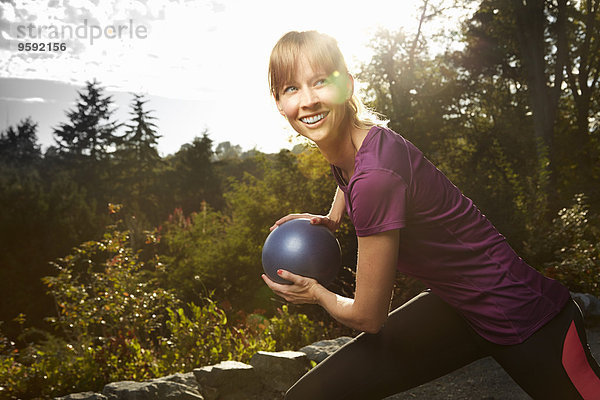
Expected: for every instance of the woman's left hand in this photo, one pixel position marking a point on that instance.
(302, 290)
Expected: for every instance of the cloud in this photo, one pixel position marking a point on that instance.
(27, 100)
(7, 14)
(217, 6)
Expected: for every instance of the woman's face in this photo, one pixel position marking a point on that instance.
(314, 101)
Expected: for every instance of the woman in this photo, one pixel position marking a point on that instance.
(483, 300)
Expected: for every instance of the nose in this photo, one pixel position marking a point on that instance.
(309, 98)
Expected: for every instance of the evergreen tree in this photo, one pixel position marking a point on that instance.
(90, 131)
(19, 145)
(141, 137)
(193, 176)
(135, 178)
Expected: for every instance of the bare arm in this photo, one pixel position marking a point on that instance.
(338, 207)
(375, 272)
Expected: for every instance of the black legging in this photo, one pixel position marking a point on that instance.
(426, 338)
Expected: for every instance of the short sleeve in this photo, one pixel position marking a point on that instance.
(378, 202)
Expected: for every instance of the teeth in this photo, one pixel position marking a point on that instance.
(314, 119)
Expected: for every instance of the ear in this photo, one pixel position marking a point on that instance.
(279, 107)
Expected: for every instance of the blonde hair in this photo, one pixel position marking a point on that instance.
(322, 52)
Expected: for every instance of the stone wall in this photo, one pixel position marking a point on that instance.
(267, 377)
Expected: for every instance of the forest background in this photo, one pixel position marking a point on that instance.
(117, 263)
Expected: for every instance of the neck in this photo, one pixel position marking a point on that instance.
(341, 149)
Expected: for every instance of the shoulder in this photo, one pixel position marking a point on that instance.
(376, 180)
(373, 187)
(377, 199)
(381, 138)
(383, 154)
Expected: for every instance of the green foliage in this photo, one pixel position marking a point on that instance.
(42, 214)
(132, 304)
(136, 166)
(89, 131)
(12, 372)
(206, 337)
(103, 289)
(115, 323)
(18, 145)
(575, 244)
(194, 250)
(191, 178)
(222, 250)
(292, 329)
(141, 137)
(109, 314)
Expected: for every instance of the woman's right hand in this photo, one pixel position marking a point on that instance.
(314, 219)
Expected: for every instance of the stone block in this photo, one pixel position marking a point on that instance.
(188, 379)
(589, 304)
(232, 380)
(150, 390)
(319, 351)
(83, 396)
(280, 370)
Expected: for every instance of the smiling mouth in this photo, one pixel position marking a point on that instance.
(313, 119)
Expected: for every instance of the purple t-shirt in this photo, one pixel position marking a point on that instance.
(445, 241)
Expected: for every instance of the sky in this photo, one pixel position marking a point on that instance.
(201, 64)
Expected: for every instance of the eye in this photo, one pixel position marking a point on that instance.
(321, 82)
(289, 89)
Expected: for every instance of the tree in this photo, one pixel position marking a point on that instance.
(583, 78)
(19, 146)
(542, 46)
(135, 169)
(410, 87)
(537, 23)
(192, 176)
(90, 131)
(141, 136)
(212, 250)
(225, 151)
(468, 112)
(546, 53)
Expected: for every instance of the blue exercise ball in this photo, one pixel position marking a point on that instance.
(303, 249)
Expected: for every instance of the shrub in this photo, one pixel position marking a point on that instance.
(575, 241)
(114, 322)
(12, 372)
(294, 330)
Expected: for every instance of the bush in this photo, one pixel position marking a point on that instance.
(205, 337)
(114, 322)
(12, 372)
(221, 250)
(294, 330)
(575, 243)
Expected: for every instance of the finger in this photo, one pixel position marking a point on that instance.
(316, 220)
(328, 223)
(270, 283)
(288, 217)
(274, 286)
(278, 222)
(288, 276)
(266, 279)
(278, 289)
